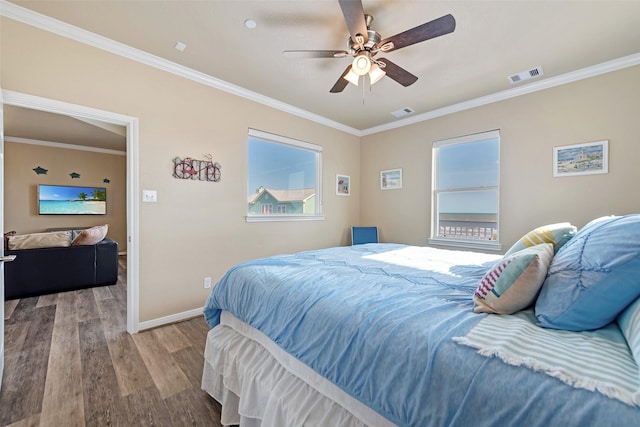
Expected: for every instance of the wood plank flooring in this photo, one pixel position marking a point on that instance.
(70, 362)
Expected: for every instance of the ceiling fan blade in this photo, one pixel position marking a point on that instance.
(397, 73)
(341, 83)
(436, 28)
(354, 16)
(303, 54)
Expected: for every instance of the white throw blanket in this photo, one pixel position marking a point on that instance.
(597, 360)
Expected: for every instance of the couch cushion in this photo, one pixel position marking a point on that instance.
(91, 236)
(40, 240)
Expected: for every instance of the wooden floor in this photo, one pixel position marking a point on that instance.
(70, 362)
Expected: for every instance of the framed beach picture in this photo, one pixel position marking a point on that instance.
(581, 159)
(391, 179)
(343, 185)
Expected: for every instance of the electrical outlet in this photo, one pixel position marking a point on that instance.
(207, 282)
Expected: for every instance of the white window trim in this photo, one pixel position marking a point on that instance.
(491, 245)
(319, 216)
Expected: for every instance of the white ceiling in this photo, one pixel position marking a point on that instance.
(492, 40)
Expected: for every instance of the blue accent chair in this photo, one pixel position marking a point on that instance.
(361, 235)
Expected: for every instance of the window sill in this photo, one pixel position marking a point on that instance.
(488, 245)
(274, 218)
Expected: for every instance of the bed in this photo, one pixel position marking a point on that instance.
(389, 334)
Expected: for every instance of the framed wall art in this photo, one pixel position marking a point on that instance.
(391, 179)
(343, 185)
(581, 159)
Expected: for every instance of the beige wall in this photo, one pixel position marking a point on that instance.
(21, 187)
(606, 107)
(196, 229)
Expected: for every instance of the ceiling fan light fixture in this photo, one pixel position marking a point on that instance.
(361, 64)
(376, 73)
(387, 47)
(352, 77)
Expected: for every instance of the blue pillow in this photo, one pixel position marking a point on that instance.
(593, 277)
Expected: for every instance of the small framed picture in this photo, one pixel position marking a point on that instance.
(581, 159)
(391, 179)
(343, 185)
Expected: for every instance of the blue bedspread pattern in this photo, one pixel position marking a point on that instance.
(379, 324)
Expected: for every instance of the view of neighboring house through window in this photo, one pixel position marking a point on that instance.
(284, 173)
(466, 191)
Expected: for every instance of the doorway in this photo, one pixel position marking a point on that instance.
(131, 125)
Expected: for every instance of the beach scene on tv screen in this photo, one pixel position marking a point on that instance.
(67, 200)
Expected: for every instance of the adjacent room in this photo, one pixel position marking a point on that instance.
(340, 212)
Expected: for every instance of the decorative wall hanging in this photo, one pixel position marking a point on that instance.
(343, 185)
(204, 170)
(391, 179)
(40, 171)
(74, 175)
(106, 181)
(581, 159)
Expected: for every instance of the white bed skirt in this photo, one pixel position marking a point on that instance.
(260, 385)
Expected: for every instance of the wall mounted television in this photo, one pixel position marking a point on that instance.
(69, 200)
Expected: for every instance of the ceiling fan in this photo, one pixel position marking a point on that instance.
(365, 44)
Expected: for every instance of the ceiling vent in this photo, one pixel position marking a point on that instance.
(403, 112)
(526, 75)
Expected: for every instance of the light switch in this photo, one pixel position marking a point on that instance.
(149, 196)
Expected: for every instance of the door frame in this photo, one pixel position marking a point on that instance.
(19, 99)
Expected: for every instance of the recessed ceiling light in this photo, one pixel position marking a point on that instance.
(250, 24)
(180, 46)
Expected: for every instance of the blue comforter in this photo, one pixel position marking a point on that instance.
(377, 320)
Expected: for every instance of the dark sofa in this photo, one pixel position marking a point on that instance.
(49, 270)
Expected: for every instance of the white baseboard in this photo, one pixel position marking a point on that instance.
(170, 319)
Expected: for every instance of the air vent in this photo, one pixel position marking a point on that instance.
(526, 75)
(403, 112)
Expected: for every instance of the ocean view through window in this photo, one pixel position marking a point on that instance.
(284, 178)
(465, 191)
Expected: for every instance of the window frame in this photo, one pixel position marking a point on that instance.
(492, 245)
(295, 143)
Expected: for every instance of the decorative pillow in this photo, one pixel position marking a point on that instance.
(513, 283)
(594, 277)
(91, 236)
(6, 238)
(629, 322)
(74, 233)
(557, 234)
(40, 240)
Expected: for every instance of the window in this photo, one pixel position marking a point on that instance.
(286, 173)
(466, 191)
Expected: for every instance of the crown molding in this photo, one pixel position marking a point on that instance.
(573, 76)
(55, 26)
(46, 23)
(19, 140)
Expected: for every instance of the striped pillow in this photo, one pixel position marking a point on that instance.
(629, 322)
(556, 234)
(513, 283)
